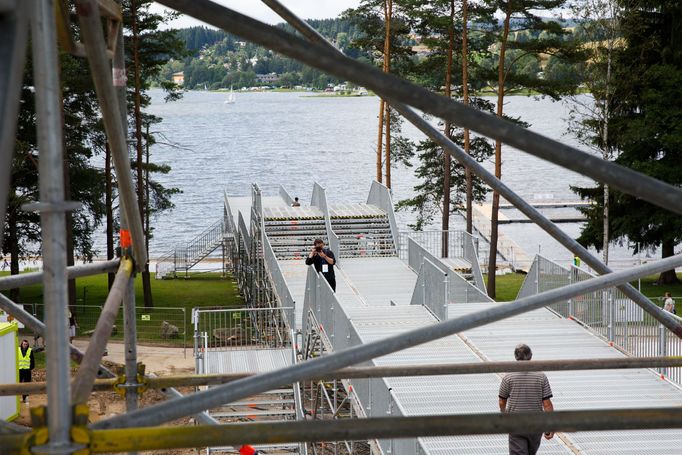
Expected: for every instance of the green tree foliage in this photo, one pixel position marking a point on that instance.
(221, 60)
(83, 139)
(646, 127)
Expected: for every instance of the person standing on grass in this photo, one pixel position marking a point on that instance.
(525, 391)
(324, 260)
(669, 303)
(26, 363)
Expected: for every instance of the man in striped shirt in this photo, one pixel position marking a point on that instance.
(525, 391)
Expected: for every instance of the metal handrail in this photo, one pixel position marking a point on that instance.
(319, 200)
(607, 313)
(278, 281)
(431, 289)
(284, 194)
(380, 196)
(417, 254)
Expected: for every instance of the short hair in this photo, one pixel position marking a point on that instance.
(667, 294)
(523, 352)
(24, 340)
(318, 241)
(296, 199)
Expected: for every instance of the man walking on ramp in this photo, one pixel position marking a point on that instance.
(525, 391)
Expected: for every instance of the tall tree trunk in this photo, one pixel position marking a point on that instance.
(108, 197)
(669, 276)
(492, 261)
(465, 99)
(13, 243)
(388, 145)
(146, 283)
(605, 144)
(380, 140)
(388, 14)
(446, 156)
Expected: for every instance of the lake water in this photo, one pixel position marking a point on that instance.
(296, 139)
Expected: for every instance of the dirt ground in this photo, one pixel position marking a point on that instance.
(160, 361)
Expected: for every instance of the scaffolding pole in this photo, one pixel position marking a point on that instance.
(85, 378)
(397, 90)
(13, 38)
(168, 382)
(159, 438)
(664, 317)
(95, 46)
(39, 328)
(74, 271)
(52, 208)
(236, 390)
(465, 159)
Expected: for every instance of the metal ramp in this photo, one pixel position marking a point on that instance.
(553, 337)
(253, 341)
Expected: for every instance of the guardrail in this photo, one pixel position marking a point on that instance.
(380, 196)
(156, 326)
(279, 283)
(223, 329)
(431, 289)
(459, 289)
(284, 194)
(319, 200)
(607, 313)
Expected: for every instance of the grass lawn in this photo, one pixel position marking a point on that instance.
(181, 295)
(508, 287)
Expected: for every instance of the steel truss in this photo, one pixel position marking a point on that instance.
(64, 428)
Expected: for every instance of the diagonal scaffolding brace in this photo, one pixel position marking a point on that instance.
(197, 402)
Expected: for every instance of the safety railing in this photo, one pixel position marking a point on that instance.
(203, 244)
(298, 399)
(156, 326)
(472, 256)
(432, 241)
(607, 313)
(431, 289)
(461, 245)
(332, 319)
(279, 283)
(319, 200)
(223, 329)
(459, 290)
(380, 196)
(284, 194)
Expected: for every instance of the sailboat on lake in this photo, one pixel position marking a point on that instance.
(231, 99)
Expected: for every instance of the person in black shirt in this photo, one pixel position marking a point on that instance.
(324, 260)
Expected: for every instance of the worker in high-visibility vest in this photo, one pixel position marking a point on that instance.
(26, 363)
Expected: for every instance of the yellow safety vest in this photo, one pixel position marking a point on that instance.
(24, 361)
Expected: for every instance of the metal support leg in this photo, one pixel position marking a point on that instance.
(130, 345)
(13, 33)
(53, 222)
(130, 330)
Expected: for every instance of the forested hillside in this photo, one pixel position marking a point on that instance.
(221, 60)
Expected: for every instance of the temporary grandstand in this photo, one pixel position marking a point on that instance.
(404, 358)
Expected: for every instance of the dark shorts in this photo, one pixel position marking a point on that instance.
(524, 444)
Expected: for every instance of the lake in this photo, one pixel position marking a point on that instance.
(296, 139)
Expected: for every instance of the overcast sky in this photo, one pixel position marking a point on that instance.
(306, 9)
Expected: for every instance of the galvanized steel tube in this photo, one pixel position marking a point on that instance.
(52, 217)
(74, 271)
(397, 90)
(165, 412)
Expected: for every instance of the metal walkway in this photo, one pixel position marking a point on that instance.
(381, 294)
(553, 337)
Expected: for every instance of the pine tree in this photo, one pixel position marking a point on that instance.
(645, 127)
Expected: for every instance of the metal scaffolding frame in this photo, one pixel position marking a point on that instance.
(64, 428)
